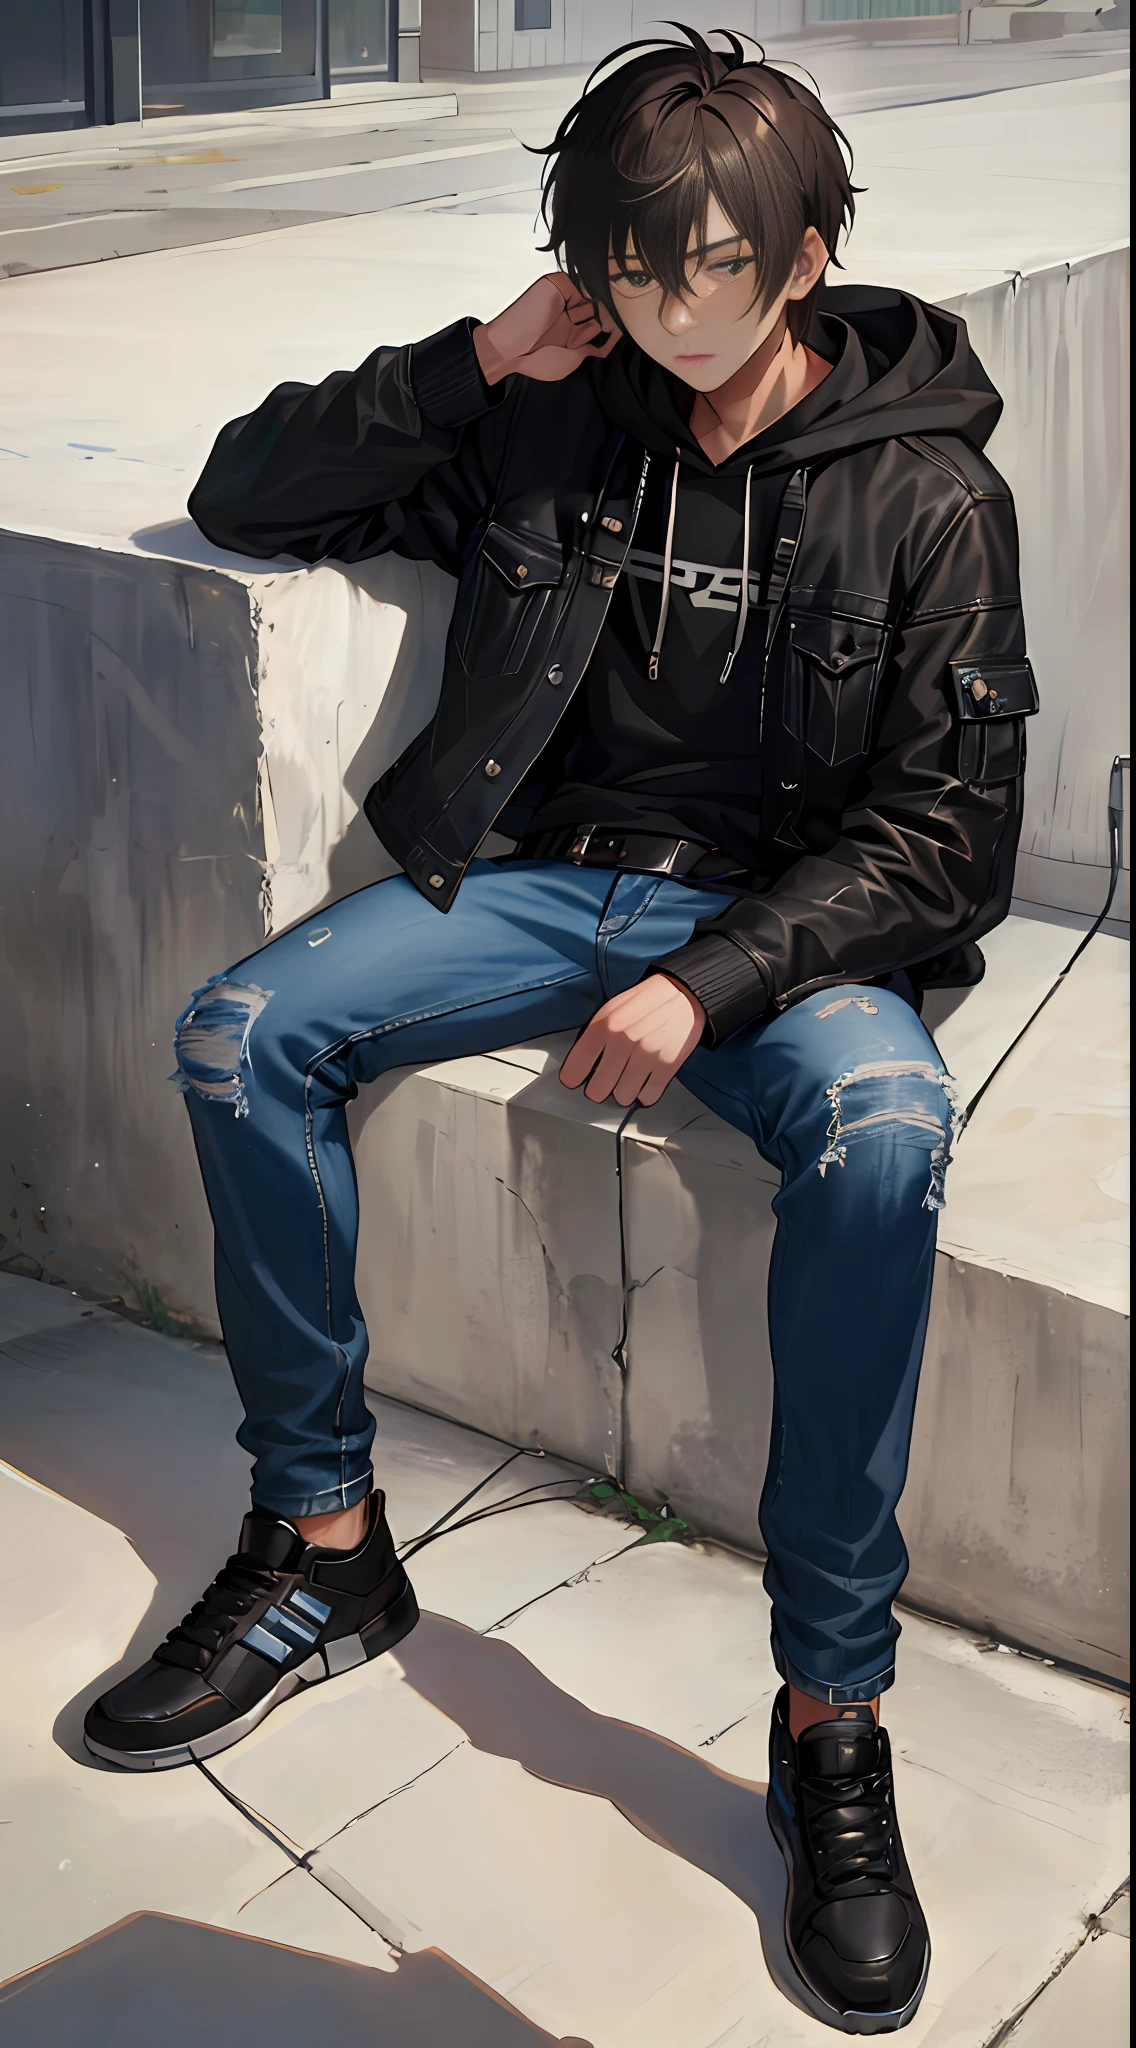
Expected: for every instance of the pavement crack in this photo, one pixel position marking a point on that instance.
(259, 1894)
(708, 1741)
(1008, 2027)
(253, 1818)
(573, 1579)
(395, 1793)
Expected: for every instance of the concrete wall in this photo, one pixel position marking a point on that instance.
(1056, 344)
(132, 862)
(184, 756)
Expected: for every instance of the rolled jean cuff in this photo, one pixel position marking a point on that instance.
(833, 1695)
(333, 1499)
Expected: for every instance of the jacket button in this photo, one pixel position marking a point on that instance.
(555, 674)
(522, 572)
(437, 881)
(492, 768)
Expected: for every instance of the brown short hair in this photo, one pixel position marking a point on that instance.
(634, 164)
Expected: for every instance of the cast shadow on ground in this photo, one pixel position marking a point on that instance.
(154, 1979)
(139, 1430)
(151, 1452)
(676, 1798)
(87, 1411)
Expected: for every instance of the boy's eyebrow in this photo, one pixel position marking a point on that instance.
(727, 242)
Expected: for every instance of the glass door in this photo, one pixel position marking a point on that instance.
(363, 38)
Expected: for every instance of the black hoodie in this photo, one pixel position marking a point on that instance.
(878, 810)
(662, 736)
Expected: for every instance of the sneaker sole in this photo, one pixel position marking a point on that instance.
(844, 2022)
(343, 1654)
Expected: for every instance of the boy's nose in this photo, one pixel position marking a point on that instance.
(675, 316)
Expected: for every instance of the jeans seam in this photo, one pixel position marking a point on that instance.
(393, 1024)
(309, 1141)
(601, 958)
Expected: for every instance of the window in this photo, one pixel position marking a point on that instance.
(359, 34)
(529, 14)
(254, 29)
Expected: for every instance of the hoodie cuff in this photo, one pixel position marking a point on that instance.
(446, 379)
(730, 988)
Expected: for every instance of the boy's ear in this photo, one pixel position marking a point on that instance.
(810, 266)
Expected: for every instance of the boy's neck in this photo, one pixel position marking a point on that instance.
(777, 376)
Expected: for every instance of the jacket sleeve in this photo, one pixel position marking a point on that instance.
(925, 857)
(398, 454)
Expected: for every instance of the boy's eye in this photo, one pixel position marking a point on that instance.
(731, 266)
(635, 278)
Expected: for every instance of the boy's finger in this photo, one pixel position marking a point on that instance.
(581, 1059)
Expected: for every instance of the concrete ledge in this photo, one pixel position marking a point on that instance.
(498, 1276)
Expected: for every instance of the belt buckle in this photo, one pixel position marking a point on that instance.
(666, 867)
(579, 845)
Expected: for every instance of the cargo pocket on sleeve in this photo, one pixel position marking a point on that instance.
(992, 700)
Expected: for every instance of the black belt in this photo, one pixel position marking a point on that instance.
(650, 853)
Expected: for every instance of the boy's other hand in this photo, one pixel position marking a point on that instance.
(636, 1043)
(545, 334)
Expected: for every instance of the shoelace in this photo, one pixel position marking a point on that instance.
(199, 1635)
(849, 1826)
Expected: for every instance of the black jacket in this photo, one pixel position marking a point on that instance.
(891, 704)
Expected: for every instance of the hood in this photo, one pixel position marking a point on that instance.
(900, 366)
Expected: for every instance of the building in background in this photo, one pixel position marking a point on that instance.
(463, 37)
(74, 63)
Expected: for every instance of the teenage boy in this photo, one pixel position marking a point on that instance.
(737, 660)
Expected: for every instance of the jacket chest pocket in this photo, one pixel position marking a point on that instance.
(505, 595)
(830, 687)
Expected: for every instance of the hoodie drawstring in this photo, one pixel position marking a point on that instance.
(743, 608)
(668, 559)
(668, 564)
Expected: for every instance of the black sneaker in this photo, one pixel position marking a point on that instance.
(281, 1615)
(854, 1927)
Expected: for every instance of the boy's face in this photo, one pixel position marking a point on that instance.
(706, 336)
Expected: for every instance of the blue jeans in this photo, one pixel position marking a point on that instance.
(844, 1093)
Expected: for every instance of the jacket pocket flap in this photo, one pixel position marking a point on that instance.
(993, 689)
(526, 560)
(836, 646)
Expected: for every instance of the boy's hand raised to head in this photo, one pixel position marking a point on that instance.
(636, 1043)
(545, 334)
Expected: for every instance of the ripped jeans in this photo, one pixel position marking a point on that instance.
(844, 1093)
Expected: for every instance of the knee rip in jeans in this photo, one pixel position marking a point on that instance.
(211, 1038)
(885, 1095)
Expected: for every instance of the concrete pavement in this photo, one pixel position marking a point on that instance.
(540, 1820)
(93, 195)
